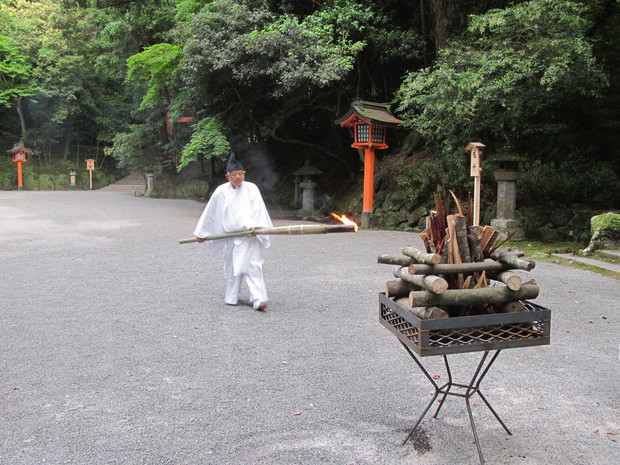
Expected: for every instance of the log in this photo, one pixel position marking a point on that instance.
(510, 307)
(428, 243)
(443, 253)
(490, 295)
(475, 243)
(398, 288)
(517, 262)
(454, 250)
(506, 250)
(430, 282)
(400, 260)
(421, 256)
(461, 237)
(510, 279)
(429, 313)
(424, 313)
(444, 268)
(488, 237)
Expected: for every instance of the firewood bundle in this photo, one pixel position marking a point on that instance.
(461, 270)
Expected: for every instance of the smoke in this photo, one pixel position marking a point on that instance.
(257, 164)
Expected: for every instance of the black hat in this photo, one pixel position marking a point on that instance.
(233, 163)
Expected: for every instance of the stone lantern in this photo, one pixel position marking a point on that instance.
(506, 176)
(307, 185)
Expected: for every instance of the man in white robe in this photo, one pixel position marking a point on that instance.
(237, 206)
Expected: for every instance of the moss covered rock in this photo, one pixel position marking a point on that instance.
(605, 230)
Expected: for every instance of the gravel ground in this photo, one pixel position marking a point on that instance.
(116, 348)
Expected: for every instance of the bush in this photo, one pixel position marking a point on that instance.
(194, 190)
(566, 183)
(8, 174)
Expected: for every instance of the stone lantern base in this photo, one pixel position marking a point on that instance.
(507, 227)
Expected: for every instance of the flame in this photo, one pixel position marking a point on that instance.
(343, 219)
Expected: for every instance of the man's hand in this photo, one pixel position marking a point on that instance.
(200, 240)
(252, 233)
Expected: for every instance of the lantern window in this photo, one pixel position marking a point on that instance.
(363, 131)
(377, 134)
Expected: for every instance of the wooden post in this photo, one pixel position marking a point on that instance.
(90, 166)
(476, 151)
(369, 184)
(20, 184)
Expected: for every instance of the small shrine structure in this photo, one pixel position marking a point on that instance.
(20, 155)
(369, 121)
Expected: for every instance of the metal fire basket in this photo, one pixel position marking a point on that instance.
(480, 333)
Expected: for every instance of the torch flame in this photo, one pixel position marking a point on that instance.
(343, 219)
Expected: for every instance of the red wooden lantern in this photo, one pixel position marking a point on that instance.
(20, 155)
(369, 121)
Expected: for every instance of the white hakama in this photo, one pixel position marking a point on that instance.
(231, 210)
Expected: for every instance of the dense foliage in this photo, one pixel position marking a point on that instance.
(110, 79)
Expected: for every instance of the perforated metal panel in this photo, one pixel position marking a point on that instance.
(469, 333)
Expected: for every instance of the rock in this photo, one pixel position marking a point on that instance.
(605, 230)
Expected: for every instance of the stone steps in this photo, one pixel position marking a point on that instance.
(133, 183)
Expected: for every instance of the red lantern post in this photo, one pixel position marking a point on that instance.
(368, 120)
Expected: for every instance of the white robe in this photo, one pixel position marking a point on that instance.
(231, 210)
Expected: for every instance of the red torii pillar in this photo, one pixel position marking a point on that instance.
(368, 120)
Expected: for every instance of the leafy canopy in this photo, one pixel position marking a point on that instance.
(157, 64)
(15, 73)
(516, 73)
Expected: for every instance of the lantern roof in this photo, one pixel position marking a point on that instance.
(307, 170)
(368, 112)
(506, 154)
(18, 148)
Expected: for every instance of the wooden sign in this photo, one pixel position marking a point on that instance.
(476, 151)
(90, 164)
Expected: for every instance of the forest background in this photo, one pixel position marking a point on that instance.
(537, 80)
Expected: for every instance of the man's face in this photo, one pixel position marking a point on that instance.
(236, 178)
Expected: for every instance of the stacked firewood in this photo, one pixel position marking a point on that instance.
(461, 271)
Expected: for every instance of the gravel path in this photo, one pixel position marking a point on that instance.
(116, 348)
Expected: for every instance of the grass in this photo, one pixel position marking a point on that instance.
(544, 252)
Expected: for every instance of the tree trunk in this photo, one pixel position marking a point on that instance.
(448, 20)
(17, 102)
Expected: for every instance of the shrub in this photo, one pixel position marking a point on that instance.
(194, 190)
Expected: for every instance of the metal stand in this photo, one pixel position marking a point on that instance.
(470, 389)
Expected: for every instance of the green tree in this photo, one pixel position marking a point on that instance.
(156, 65)
(16, 80)
(284, 76)
(525, 76)
(25, 30)
(518, 73)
